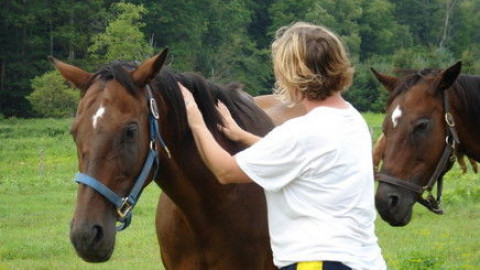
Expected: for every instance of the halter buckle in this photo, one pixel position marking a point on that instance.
(124, 209)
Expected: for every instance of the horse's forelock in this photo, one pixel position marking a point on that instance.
(410, 79)
(406, 83)
(117, 70)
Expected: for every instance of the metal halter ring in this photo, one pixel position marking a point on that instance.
(154, 108)
(153, 146)
(449, 119)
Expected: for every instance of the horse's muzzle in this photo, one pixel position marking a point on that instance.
(394, 204)
(92, 242)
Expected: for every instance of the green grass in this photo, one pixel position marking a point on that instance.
(374, 121)
(37, 196)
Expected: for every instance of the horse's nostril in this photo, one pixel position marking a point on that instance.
(98, 233)
(393, 200)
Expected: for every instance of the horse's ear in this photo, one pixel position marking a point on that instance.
(149, 69)
(449, 76)
(74, 75)
(388, 81)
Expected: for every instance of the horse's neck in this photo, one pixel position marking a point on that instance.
(185, 178)
(177, 184)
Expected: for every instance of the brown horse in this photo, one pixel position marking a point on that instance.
(127, 117)
(430, 115)
(278, 111)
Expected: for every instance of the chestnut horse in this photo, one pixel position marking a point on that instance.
(431, 115)
(131, 129)
(279, 111)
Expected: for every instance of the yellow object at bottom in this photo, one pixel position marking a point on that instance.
(310, 266)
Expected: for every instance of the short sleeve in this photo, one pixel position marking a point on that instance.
(275, 160)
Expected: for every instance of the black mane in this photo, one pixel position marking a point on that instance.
(241, 105)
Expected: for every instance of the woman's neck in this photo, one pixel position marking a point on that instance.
(334, 101)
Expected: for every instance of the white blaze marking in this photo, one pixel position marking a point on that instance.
(397, 113)
(97, 116)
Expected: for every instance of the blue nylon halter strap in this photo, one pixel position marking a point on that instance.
(125, 205)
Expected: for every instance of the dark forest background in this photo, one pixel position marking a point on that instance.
(223, 40)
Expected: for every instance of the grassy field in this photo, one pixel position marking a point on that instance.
(37, 195)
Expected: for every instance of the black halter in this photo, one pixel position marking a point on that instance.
(125, 205)
(451, 141)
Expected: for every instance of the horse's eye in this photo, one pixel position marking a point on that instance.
(130, 132)
(421, 125)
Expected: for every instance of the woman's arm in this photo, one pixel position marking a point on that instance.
(220, 162)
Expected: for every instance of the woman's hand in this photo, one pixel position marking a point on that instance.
(219, 161)
(194, 116)
(232, 130)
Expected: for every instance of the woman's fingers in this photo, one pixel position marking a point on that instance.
(187, 95)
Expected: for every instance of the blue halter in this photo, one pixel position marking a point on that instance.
(125, 205)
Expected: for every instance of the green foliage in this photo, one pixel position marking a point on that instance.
(72, 23)
(467, 24)
(249, 65)
(51, 97)
(122, 39)
(421, 57)
(342, 17)
(471, 61)
(229, 41)
(286, 12)
(365, 92)
(211, 40)
(380, 33)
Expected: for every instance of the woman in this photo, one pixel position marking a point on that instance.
(316, 170)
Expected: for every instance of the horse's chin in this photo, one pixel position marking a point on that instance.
(92, 243)
(400, 220)
(95, 257)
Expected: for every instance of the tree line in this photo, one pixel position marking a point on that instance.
(225, 40)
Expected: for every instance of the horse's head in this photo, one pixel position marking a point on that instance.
(416, 139)
(112, 131)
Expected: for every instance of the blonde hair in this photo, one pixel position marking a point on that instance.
(309, 61)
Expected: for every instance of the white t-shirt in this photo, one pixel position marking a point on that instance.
(317, 174)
